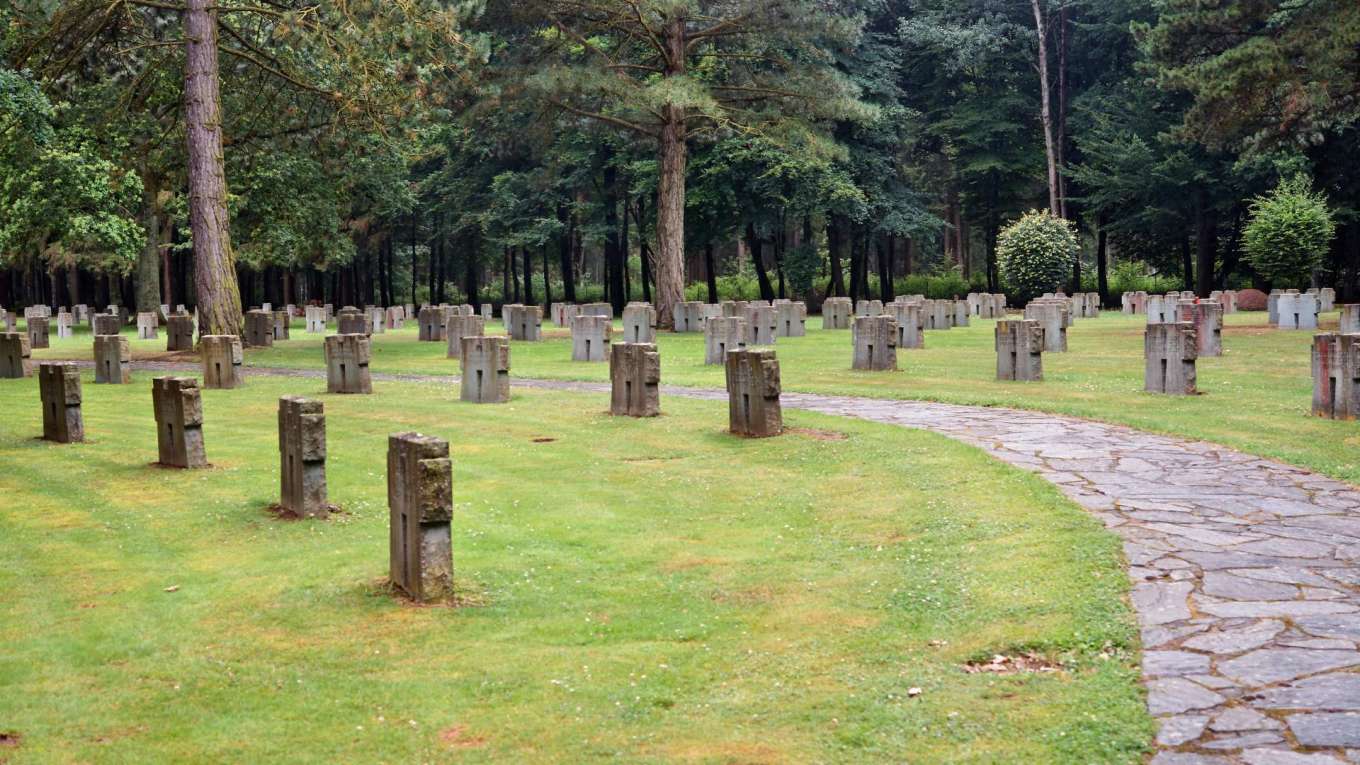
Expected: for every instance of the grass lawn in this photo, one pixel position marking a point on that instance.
(1256, 397)
(651, 591)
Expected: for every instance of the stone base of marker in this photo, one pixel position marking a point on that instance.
(909, 329)
(459, 327)
(431, 325)
(639, 323)
(112, 360)
(875, 344)
(689, 316)
(790, 319)
(302, 457)
(1207, 319)
(962, 313)
(723, 335)
(1336, 376)
(1052, 315)
(316, 320)
(59, 388)
(66, 323)
(15, 356)
(590, 338)
(753, 389)
(260, 329)
(147, 324)
(179, 422)
(635, 380)
(347, 358)
(1170, 351)
(761, 324)
(222, 359)
(179, 332)
(283, 325)
(1350, 319)
(420, 507)
(486, 370)
(837, 313)
(1019, 350)
(38, 333)
(353, 322)
(524, 322)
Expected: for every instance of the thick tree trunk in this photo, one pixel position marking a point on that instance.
(149, 262)
(1206, 243)
(644, 251)
(753, 244)
(670, 218)
(711, 271)
(528, 276)
(219, 301)
(613, 249)
(1046, 109)
(547, 278)
(835, 243)
(885, 275)
(564, 254)
(470, 264)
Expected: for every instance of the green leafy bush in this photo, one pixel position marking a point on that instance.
(1289, 233)
(1036, 255)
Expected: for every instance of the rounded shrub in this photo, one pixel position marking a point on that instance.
(1289, 232)
(1036, 254)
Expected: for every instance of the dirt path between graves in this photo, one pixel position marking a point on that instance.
(1246, 572)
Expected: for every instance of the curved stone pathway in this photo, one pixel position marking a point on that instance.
(1246, 572)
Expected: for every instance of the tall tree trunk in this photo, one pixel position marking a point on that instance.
(528, 275)
(506, 295)
(711, 270)
(670, 218)
(470, 264)
(1187, 264)
(1046, 108)
(414, 281)
(835, 242)
(644, 250)
(149, 262)
(219, 301)
(885, 273)
(1103, 261)
(1060, 123)
(547, 278)
(753, 243)
(613, 249)
(1206, 242)
(564, 253)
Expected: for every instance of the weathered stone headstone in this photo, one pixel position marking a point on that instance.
(1019, 350)
(347, 358)
(488, 312)
(1326, 299)
(459, 327)
(909, 330)
(734, 309)
(938, 314)
(961, 313)
(722, 335)
(14, 356)
(1207, 319)
(1273, 306)
(302, 457)
(431, 325)
(875, 343)
(328, 310)
(753, 390)
(1336, 376)
(37, 333)
(11, 321)
(1170, 351)
(222, 359)
(790, 319)
(1158, 311)
(282, 325)
(1350, 319)
(351, 321)
(597, 309)
(524, 322)
(179, 332)
(420, 504)
(486, 370)
(761, 324)
(316, 320)
(59, 389)
(394, 318)
(634, 380)
(712, 311)
(179, 421)
(1297, 311)
(561, 313)
(639, 323)
(147, 323)
(66, 323)
(377, 321)
(868, 308)
(590, 338)
(1051, 315)
(836, 313)
(689, 316)
(260, 328)
(112, 360)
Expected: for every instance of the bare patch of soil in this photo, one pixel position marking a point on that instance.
(458, 737)
(818, 435)
(282, 514)
(1000, 664)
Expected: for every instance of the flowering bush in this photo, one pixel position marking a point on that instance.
(1036, 255)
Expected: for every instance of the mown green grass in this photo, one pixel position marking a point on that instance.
(1256, 397)
(644, 590)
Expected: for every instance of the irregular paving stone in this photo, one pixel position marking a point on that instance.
(1158, 663)
(1326, 728)
(1273, 665)
(1298, 609)
(1240, 719)
(1285, 757)
(1159, 603)
(1237, 640)
(1224, 585)
(1346, 627)
(1172, 695)
(1174, 731)
(1187, 758)
(1240, 742)
(1339, 691)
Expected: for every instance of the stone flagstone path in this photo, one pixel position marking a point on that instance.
(1246, 572)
